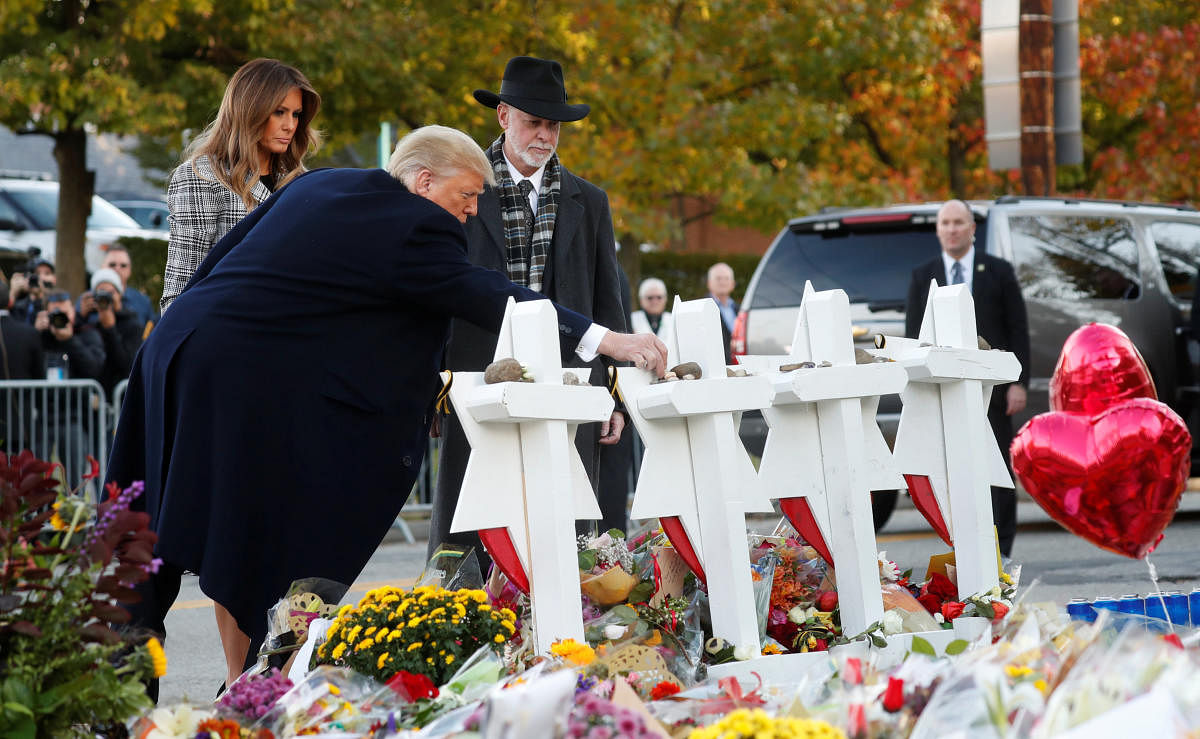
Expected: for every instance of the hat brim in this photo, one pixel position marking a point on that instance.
(564, 112)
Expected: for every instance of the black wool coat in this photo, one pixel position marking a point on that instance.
(279, 412)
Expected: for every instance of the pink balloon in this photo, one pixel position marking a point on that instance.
(1113, 478)
(1098, 367)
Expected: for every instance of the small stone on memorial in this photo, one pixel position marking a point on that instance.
(826, 363)
(570, 378)
(796, 366)
(688, 368)
(505, 370)
(983, 344)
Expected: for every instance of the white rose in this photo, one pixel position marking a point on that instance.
(892, 622)
(939, 618)
(614, 631)
(796, 615)
(744, 652)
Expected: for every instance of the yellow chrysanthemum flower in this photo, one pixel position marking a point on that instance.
(157, 657)
(383, 658)
(338, 651)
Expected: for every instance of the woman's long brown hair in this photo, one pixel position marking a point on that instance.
(231, 141)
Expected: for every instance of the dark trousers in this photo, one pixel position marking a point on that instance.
(1004, 500)
(157, 593)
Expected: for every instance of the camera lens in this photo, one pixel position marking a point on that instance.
(59, 320)
(103, 298)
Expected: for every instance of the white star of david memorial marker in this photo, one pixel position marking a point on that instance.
(523, 459)
(825, 453)
(944, 433)
(696, 472)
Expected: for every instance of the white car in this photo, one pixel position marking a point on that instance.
(29, 212)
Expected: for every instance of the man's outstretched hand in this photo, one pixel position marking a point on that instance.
(644, 351)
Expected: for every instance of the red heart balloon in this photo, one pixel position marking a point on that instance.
(1098, 367)
(1114, 478)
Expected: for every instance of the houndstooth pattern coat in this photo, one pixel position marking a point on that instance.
(202, 210)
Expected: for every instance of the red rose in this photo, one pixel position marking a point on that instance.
(952, 610)
(827, 600)
(820, 646)
(941, 586)
(412, 687)
(932, 603)
(662, 690)
(893, 697)
(1000, 610)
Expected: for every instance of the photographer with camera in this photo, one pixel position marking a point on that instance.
(72, 352)
(120, 330)
(30, 287)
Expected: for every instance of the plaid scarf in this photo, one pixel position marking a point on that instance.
(526, 253)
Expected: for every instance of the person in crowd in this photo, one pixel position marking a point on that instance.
(1000, 319)
(257, 422)
(120, 330)
(653, 318)
(30, 287)
(547, 229)
(135, 301)
(720, 289)
(257, 143)
(20, 359)
(73, 350)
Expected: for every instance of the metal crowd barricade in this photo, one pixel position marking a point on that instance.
(60, 421)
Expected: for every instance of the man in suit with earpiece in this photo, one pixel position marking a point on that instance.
(999, 319)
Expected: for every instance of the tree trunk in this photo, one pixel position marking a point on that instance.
(75, 186)
(1037, 97)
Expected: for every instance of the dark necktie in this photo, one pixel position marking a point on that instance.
(956, 274)
(526, 187)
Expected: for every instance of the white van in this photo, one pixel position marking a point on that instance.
(29, 213)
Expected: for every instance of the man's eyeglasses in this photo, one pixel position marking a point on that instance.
(655, 297)
(115, 265)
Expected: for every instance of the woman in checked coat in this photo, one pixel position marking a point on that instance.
(257, 143)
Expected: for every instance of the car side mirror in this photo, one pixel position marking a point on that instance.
(7, 224)
(156, 220)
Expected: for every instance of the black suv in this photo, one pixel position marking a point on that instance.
(1132, 265)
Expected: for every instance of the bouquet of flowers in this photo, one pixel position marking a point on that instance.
(253, 695)
(761, 725)
(606, 567)
(593, 717)
(68, 564)
(426, 631)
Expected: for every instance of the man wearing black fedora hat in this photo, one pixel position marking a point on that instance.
(548, 230)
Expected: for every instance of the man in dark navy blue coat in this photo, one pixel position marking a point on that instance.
(279, 412)
(999, 318)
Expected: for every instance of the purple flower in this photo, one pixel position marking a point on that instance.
(629, 725)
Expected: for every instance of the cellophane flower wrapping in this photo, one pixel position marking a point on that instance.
(327, 695)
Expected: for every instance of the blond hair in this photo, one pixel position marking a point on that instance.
(231, 141)
(441, 150)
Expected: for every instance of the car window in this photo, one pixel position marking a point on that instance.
(41, 204)
(1179, 251)
(1075, 257)
(7, 212)
(872, 266)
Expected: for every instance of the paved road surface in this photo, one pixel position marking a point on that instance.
(1055, 564)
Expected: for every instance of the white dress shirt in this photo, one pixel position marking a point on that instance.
(968, 264)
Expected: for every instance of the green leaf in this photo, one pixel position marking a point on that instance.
(878, 641)
(641, 592)
(624, 615)
(984, 607)
(958, 646)
(921, 646)
(616, 533)
(587, 560)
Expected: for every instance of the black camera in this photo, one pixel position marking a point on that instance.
(59, 319)
(104, 299)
